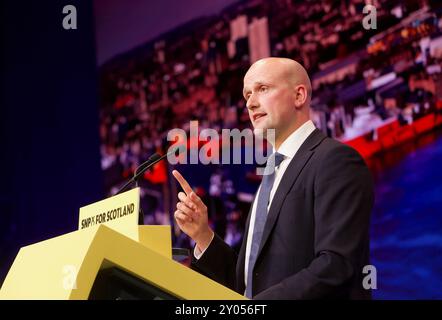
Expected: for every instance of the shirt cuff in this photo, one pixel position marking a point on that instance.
(197, 253)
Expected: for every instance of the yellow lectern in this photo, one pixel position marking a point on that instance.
(67, 266)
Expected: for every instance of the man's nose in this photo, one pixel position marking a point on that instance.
(252, 102)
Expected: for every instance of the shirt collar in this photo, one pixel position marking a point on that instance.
(294, 141)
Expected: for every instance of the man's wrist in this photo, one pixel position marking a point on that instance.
(205, 239)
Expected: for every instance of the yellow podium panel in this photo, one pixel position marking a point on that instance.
(119, 212)
(65, 267)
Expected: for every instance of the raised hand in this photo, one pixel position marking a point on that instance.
(191, 214)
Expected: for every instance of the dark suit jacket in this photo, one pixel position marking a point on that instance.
(316, 238)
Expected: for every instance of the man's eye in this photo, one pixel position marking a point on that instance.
(263, 89)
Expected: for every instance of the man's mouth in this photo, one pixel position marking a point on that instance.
(258, 116)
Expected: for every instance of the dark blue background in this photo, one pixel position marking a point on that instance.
(50, 161)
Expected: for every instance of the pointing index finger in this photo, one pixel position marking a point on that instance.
(184, 184)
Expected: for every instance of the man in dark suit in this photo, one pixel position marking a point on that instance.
(307, 233)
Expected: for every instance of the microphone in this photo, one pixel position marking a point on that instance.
(151, 159)
(142, 168)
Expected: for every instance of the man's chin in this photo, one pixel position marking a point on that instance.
(259, 130)
(264, 132)
(260, 125)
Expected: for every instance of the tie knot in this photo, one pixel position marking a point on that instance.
(278, 159)
(275, 160)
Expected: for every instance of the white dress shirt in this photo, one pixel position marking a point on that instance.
(288, 149)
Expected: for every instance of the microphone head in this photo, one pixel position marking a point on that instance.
(147, 163)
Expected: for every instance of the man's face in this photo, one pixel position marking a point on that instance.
(269, 97)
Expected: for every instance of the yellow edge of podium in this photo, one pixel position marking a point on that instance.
(46, 270)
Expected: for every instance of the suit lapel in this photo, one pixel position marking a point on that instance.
(290, 175)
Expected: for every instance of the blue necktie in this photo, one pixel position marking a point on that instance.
(261, 214)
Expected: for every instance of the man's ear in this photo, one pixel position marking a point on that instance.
(301, 95)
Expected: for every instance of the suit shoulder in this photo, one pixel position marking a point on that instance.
(329, 147)
(339, 158)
